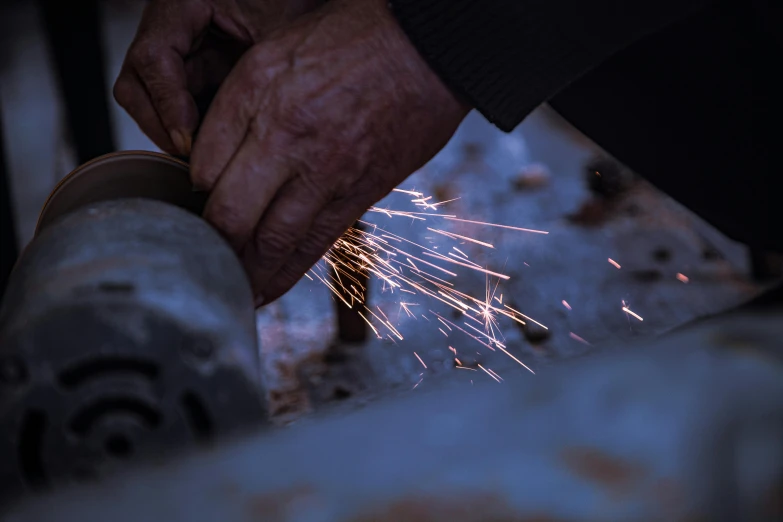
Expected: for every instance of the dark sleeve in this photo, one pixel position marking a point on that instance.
(505, 57)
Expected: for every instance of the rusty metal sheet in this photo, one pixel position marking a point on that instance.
(686, 428)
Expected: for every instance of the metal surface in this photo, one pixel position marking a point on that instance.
(127, 331)
(687, 428)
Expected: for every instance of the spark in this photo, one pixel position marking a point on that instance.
(682, 277)
(444, 323)
(632, 313)
(405, 306)
(615, 263)
(458, 236)
(409, 192)
(575, 337)
(479, 269)
(417, 384)
(526, 317)
(403, 265)
(509, 227)
(435, 205)
(565, 303)
(493, 372)
(485, 371)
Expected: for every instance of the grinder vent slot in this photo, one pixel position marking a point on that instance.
(85, 419)
(100, 366)
(197, 416)
(31, 440)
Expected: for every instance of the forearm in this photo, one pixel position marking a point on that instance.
(505, 57)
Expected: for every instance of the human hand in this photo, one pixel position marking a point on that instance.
(311, 127)
(182, 52)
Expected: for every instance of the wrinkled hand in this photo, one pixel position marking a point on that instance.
(312, 126)
(182, 52)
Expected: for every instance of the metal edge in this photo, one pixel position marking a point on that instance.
(75, 172)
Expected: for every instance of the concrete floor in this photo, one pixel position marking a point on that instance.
(651, 237)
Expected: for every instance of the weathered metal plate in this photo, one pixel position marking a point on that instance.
(687, 428)
(126, 174)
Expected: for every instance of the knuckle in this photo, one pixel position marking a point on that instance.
(227, 219)
(298, 120)
(273, 242)
(143, 55)
(201, 178)
(318, 191)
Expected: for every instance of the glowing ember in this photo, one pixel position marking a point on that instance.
(682, 278)
(615, 263)
(632, 313)
(565, 303)
(489, 372)
(575, 337)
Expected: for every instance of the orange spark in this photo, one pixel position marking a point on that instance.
(632, 313)
(509, 227)
(485, 370)
(577, 338)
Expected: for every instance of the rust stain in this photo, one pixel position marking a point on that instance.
(455, 507)
(596, 466)
(274, 506)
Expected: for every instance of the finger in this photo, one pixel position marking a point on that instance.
(327, 227)
(244, 192)
(282, 228)
(157, 55)
(132, 96)
(226, 123)
(209, 65)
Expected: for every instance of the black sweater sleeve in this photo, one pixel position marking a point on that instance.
(505, 57)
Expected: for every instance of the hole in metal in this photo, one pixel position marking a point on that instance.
(662, 254)
(118, 445)
(98, 367)
(197, 416)
(30, 447)
(83, 421)
(341, 393)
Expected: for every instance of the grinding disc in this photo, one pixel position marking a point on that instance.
(126, 174)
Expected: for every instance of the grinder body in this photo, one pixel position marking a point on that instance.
(127, 329)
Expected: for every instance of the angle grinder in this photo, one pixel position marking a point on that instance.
(127, 329)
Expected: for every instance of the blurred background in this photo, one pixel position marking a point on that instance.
(614, 243)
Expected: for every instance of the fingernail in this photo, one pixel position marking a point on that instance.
(182, 141)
